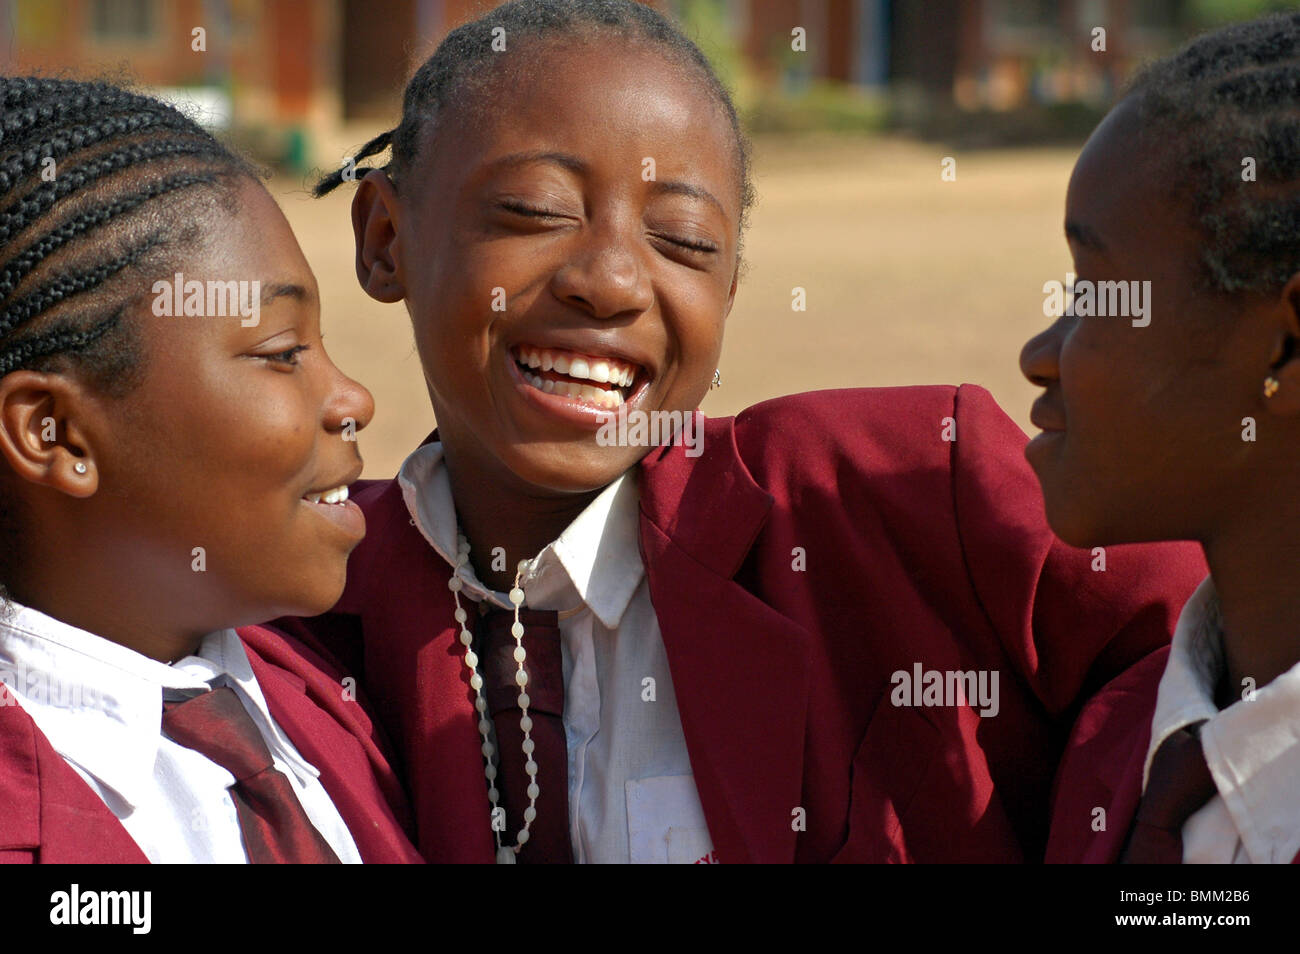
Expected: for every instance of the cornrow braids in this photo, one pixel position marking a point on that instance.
(1227, 97)
(465, 60)
(95, 184)
(91, 177)
(19, 215)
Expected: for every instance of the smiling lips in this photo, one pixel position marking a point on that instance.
(599, 381)
(336, 496)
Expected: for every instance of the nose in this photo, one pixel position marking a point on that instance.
(1040, 358)
(604, 273)
(349, 404)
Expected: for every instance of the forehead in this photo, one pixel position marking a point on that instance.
(610, 101)
(249, 241)
(1121, 189)
(253, 237)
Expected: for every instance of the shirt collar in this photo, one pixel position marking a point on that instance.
(100, 703)
(1252, 747)
(597, 557)
(1186, 693)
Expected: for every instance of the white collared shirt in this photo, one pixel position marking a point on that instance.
(1252, 747)
(632, 795)
(100, 706)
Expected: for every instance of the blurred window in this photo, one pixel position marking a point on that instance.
(1157, 14)
(1027, 14)
(123, 19)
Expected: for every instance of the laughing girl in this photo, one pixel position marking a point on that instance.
(163, 479)
(620, 653)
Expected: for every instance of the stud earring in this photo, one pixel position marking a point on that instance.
(1271, 385)
(79, 467)
(717, 379)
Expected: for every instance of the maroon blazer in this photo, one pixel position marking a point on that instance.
(48, 814)
(918, 550)
(1102, 768)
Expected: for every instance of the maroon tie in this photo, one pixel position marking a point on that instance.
(275, 827)
(1178, 785)
(548, 836)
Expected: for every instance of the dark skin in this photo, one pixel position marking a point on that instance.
(606, 270)
(228, 429)
(1143, 426)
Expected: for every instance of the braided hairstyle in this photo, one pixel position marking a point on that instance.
(92, 180)
(1227, 96)
(465, 63)
(101, 189)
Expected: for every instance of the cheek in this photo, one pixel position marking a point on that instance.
(695, 333)
(1104, 383)
(224, 464)
(451, 319)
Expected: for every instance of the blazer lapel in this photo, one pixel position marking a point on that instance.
(416, 676)
(744, 720)
(351, 772)
(1102, 767)
(49, 809)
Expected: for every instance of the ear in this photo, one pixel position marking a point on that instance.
(731, 294)
(1285, 356)
(41, 434)
(375, 211)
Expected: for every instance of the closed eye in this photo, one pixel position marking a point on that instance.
(532, 212)
(702, 247)
(520, 209)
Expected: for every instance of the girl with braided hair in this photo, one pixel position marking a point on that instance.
(1188, 429)
(724, 646)
(166, 477)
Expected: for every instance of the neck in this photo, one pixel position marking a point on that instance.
(81, 575)
(1256, 569)
(77, 606)
(498, 514)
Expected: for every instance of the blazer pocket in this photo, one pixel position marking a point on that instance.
(897, 752)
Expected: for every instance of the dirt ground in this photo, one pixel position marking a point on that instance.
(910, 280)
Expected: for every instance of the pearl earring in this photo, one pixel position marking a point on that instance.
(1271, 385)
(79, 467)
(717, 379)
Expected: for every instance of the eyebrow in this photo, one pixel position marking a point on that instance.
(1085, 236)
(273, 290)
(574, 164)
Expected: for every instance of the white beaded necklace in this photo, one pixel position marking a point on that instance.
(505, 855)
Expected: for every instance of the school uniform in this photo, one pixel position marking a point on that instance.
(822, 550)
(1251, 748)
(87, 775)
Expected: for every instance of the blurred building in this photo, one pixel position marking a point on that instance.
(294, 76)
(981, 53)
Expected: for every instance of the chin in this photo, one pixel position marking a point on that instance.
(1073, 525)
(310, 597)
(323, 597)
(567, 470)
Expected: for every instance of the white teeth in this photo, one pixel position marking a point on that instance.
(599, 370)
(601, 397)
(336, 496)
(596, 370)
